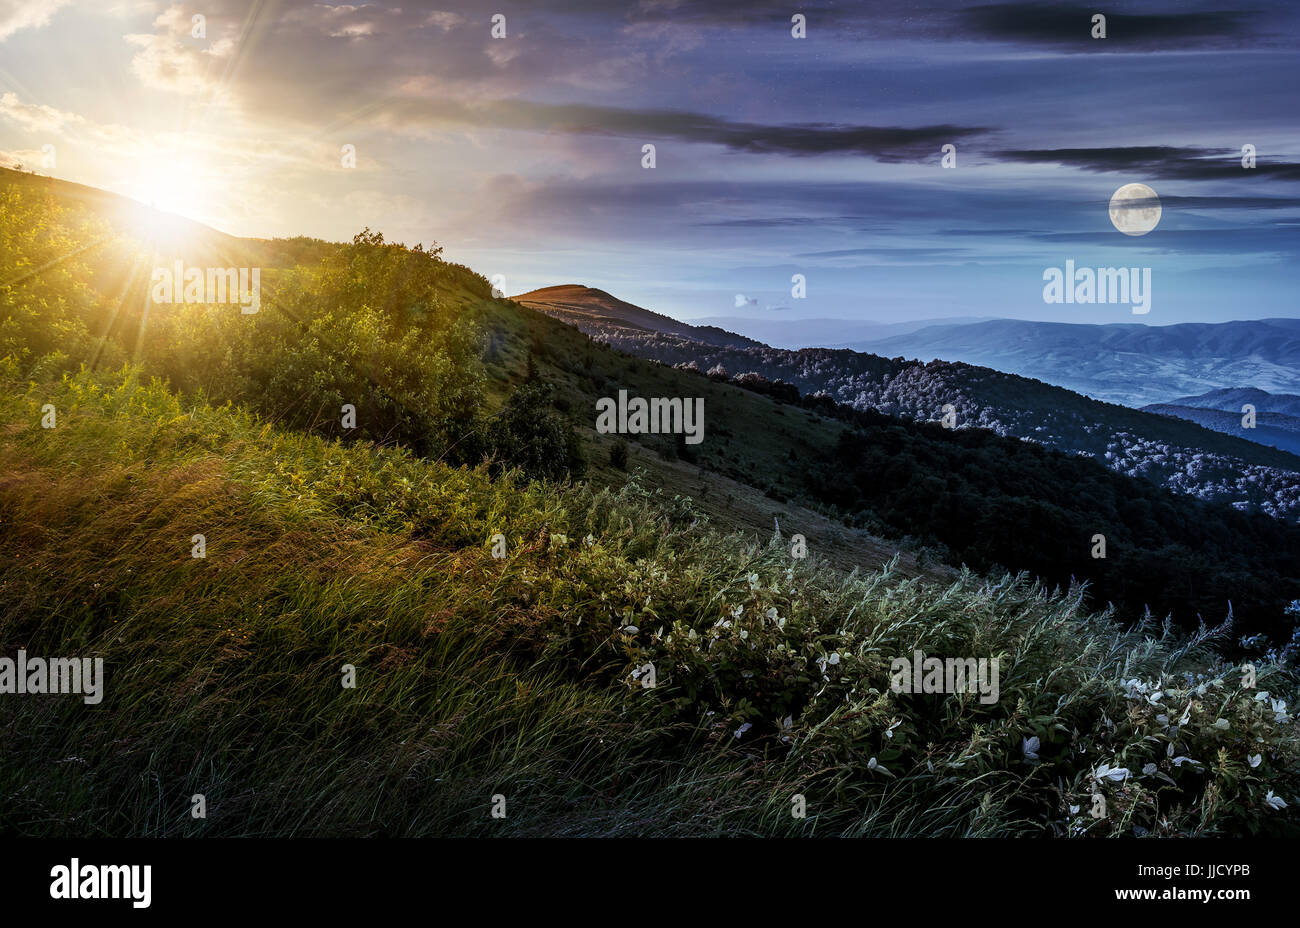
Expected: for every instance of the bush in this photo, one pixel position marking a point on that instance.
(618, 454)
(530, 435)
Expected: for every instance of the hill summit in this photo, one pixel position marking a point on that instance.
(596, 312)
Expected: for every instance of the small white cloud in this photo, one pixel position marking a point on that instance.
(26, 14)
(444, 20)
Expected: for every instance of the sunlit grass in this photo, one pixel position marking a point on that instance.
(479, 677)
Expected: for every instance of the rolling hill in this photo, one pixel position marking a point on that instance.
(1135, 365)
(590, 311)
(1232, 400)
(359, 563)
(1173, 453)
(1277, 416)
(432, 361)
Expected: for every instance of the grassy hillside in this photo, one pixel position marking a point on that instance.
(965, 496)
(366, 553)
(478, 677)
(586, 307)
(423, 356)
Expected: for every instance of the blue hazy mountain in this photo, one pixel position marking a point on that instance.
(1180, 455)
(1231, 400)
(781, 332)
(1126, 363)
(1277, 416)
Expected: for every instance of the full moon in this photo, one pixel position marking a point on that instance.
(1135, 209)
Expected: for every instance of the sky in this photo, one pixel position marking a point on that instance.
(522, 153)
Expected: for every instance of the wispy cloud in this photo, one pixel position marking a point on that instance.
(1156, 161)
(26, 14)
(886, 143)
(1068, 26)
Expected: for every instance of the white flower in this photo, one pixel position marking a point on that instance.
(1114, 774)
(1029, 747)
(835, 659)
(1279, 710)
(872, 765)
(743, 728)
(1254, 759)
(1074, 810)
(771, 613)
(735, 613)
(1134, 688)
(889, 732)
(753, 581)
(1274, 802)
(1148, 769)
(1183, 759)
(631, 629)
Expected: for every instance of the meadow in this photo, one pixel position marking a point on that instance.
(516, 682)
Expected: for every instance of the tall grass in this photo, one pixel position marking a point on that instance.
(478, 676)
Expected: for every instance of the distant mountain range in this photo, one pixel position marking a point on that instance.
(1135, 365)
(1232, 400)
(825, 333)
(1277, 416)
(1164, 449)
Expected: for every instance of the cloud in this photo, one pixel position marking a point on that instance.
(743, 301)
(1156, 161)
(732, 13)
(36, 118)
(777, 222)
(1274, 239)
(886, 251)
(26, 14)
(1230, 202)
(24, 158)
(444, 20)
(346, 21)
(173, 59)
(1066, 26)
(884, 143)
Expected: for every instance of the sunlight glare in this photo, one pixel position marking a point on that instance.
(171, 184)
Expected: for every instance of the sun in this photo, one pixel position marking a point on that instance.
(178, 184)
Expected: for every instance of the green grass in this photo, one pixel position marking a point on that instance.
(478, 676)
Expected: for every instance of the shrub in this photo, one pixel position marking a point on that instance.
(618, 454)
